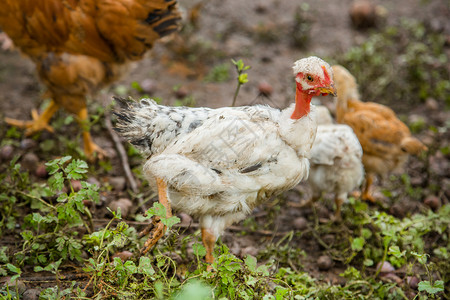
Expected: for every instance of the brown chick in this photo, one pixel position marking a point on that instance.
(386, 141)
(80, 46)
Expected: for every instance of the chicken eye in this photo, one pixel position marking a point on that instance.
(309, 77)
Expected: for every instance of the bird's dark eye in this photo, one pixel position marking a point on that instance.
(309, 77)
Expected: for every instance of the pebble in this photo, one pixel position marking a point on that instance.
(432, 202)
(265, 88)
(41, 171)
(432, 104)
(300, 223)
(148, 86)
(94, 181)
(363, 14)
(76, 185)
(31, 294)
(324, 263)
(27, 144)
(7, 152)
(125, 205)
(253, 251)
(413, 282)
(29, 161)
(185, 219)
(386, 267)
(329, 239)
(16, 284)
(118, 183)
(181, 92)
(124, 255)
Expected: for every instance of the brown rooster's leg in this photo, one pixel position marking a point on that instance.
(158, 227)
(367, 193)
(89, 146)
(209, 241)
(39, 122)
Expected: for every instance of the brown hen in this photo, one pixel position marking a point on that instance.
(386, 141)
(79, 46)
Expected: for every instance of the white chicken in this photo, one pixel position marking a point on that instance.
(336, 160)
(218, 164)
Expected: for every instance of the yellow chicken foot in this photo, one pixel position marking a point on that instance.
(209, 240)
(367, 193)
(40, 122)
(157, 228)
(89, 146)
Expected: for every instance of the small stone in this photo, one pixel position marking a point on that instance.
(118, 183)
(324, 263)
(125, 205)
(7, 152)
(413, 282)
(391, 277)
(181, 92)
(398, 210)
(386, 267)
(31, 294)
(27, 144)
(16, 284)
(363, 14)
(265, 88)
(323, 212)
(329, 239)
(41, 171)
(185, 219)
(253, 251)
(29, 161)
(432, 104)
(94, 181)
(300, 223)
(124, 255)
(261, 8)
(76, 185)
(235, 248)
(148, 86)
(432, 202)
(88, 203)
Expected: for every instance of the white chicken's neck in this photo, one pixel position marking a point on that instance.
(302, 104)
(298, 133)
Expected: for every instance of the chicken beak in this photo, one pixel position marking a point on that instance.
(328, 90)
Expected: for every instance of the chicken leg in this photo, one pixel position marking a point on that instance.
(367, 193)
(338, 200)
(159, 228)
(209, 241)
(40, 122)
(89, 146)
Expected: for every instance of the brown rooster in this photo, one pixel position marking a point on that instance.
(386, 141)
(79, 46)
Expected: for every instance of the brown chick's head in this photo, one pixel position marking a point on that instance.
(346, 83)
(314, 76)
(412, 145)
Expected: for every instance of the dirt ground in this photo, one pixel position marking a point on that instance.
(259, 33)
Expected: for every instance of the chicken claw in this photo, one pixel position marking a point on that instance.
(40, 122)
(156, 230)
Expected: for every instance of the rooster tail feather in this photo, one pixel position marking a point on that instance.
(412, 145)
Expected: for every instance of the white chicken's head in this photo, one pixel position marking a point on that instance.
(314, 76)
